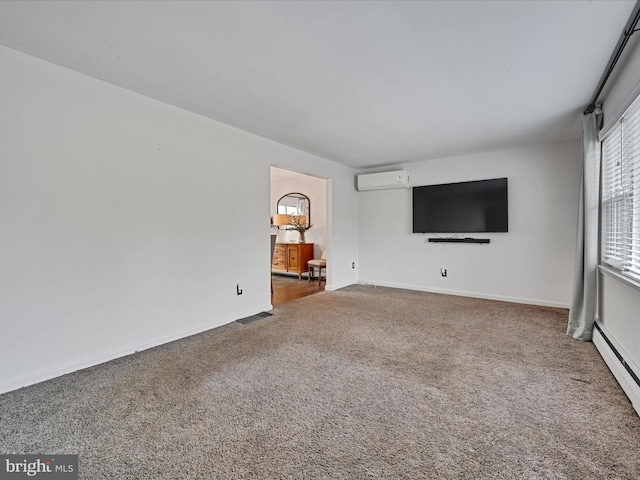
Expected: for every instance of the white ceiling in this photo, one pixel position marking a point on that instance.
(363, 83)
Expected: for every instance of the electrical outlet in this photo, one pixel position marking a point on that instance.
(443, 272)
(353, 264)
(238, 289)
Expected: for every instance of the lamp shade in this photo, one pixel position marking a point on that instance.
(281, 219)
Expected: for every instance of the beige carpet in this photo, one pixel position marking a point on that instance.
(359, 383)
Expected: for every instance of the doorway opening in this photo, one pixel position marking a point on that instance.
(289, 270)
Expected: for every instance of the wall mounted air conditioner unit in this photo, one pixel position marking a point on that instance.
(383, 180)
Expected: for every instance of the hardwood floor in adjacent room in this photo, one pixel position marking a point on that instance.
(287, 288)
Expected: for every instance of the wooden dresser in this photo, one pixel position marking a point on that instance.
(292, 258)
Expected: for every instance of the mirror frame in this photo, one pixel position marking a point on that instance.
(299, 195)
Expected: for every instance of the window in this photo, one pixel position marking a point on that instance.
(621, 194)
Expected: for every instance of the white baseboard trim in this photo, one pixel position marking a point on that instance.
(526, 301)
(628, 384)
(48, 374)
(332, 287)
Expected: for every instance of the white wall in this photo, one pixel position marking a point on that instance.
(533, 263)
(621, 89)
(619, 307)
(316, 189)
(127, 222)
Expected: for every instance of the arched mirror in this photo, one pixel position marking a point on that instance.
(296, 204)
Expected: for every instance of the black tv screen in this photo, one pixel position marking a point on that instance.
(465, 207)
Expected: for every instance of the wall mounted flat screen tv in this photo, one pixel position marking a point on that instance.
(465, 207)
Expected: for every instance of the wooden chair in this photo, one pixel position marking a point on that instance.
(319, 264)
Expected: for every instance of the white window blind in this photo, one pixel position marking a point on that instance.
(621, 194)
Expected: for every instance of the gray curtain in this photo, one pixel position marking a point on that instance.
(584, 311)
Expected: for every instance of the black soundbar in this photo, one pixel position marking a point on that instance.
(459, 240)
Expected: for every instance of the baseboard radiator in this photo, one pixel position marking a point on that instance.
(621, 369)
